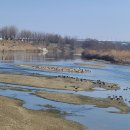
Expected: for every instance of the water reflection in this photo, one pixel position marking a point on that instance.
(25, 56)
(6, 57)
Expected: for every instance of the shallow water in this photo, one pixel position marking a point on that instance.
(92, 117)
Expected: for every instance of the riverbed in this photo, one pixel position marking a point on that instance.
(92, 117)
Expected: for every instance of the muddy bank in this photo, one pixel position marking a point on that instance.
(14, 117)
(59, 82)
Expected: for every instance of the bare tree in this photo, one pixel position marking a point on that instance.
(8, 32)
(12, 32)
(26, 35)
(4, 33)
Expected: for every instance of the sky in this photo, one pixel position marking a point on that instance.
(98, 19)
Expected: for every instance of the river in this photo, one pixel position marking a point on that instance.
(92, 117)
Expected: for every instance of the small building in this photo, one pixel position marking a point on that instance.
(1, 38)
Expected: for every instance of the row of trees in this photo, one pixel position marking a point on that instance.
(12, 33)
(8, 32)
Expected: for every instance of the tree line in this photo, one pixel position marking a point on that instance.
(13, 33)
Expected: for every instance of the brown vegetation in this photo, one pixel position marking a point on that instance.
(114, 56)
(16, 46)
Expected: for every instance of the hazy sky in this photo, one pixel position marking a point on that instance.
(100, 19)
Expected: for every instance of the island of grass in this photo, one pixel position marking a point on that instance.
(56, 68)
(63, 83)
(79, 99)
(15, 117)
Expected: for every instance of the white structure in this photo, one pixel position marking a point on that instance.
(1, 38)
(44, 50)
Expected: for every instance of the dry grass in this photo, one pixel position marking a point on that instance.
(52, 82)
(78, 99)
(122, 55)
(119, 55)
(14, 117)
